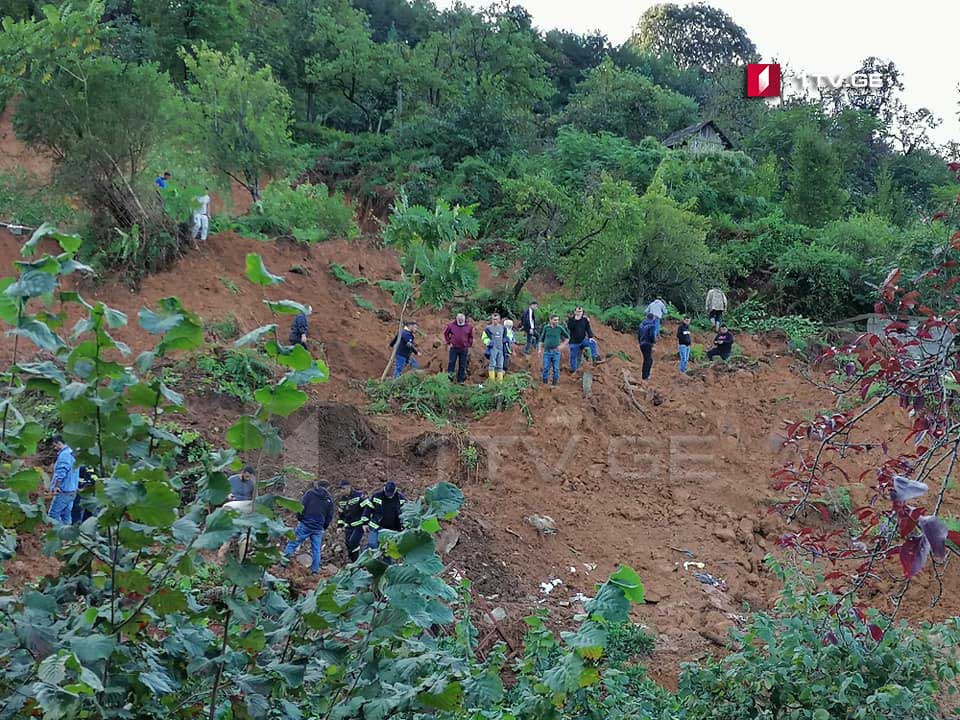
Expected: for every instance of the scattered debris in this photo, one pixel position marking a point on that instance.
(590, 567)
(498, 614)
(447, 539)
(550, 585)
(573, 570)
(690, 563)
(543, 523)
(683, 551)
(581, 598)
(708, 579)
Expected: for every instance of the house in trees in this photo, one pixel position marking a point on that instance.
(702, 137)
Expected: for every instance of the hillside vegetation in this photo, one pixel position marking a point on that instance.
(377, 161)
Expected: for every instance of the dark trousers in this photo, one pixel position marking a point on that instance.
(647, 351)
(718, 353)
(532, 340)
(352, 537)
(458, 357)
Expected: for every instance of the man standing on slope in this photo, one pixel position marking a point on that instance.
(201, 218)
(406, 350)
(716, 307)
(494, 338)
(658, 308)
(529, 326)
(647, 336)
(316, 516)
(383, 512)
(581, 336)
(459, 338)
(552, 338)
(350, 507)
(684, 338)
(63, 486)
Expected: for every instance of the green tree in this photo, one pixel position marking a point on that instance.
(360, 80)
(696, 35)
(815, 194)
(628, 104)
(647, 245)
(241, 116)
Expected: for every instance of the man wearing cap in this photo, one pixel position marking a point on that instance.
(406, 349)
(350, 506)
(316, 516)
(383, 512)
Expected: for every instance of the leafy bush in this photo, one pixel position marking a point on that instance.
(817, 281)
(752, 317)
(802, 661)
(625, 318)
(24, 204)
(310, 213)
(235, 373)
(439, 400)
(226, 329)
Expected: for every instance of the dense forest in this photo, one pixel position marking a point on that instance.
(555, 140)
(607, 174)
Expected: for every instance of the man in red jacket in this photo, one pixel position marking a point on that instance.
(459, 338)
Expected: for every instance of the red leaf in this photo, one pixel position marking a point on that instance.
(876, 633)
(954, 537)
(913, 556)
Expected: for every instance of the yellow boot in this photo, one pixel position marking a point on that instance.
(492, 374)
(499, 375)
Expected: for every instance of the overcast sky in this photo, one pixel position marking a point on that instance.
(821, 36)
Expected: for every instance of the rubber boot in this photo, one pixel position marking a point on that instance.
(492, 374)
(500, 376)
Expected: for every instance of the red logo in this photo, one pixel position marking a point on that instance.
(763, 80)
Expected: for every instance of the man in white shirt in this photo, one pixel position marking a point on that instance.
(658, 308)
(716, 306)
(201, 217)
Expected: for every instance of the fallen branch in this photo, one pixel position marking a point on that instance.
(628, 386)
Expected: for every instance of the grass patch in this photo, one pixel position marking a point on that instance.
(345, 276)
(230, 285)
(226, 329)
(363, 303)
(441, 401)
(234, 373)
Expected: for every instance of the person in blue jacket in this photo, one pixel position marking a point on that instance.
(406, 349)
(298, 330)
(315, 518)
(64, 484)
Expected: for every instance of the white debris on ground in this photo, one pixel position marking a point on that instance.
(543, 523)
(550, 585)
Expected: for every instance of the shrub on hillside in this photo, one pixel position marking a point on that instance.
(802, 660)
(21, 203)
(817, 281)
(310, 213)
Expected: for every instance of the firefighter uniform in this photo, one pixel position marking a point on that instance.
(350, 517)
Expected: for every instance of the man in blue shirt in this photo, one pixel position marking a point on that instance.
(63, 486)
(243, 484)
(162, 180)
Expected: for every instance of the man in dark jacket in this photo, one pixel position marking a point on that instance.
(85, 495)
(647, 336)
(383, 512)
(407, 349)
(529, 326)
(684, 339)
(350, 506)
(316, 516)
(298, 331)
(722, 344)
(459, 338)
(581, 336)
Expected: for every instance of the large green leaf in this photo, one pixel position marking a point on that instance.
(288, 307)
(626, 579)
(245, 435)
(253, 337)
(448, 698)
(32, 283)
(158, 506)
(444, 500)
(69, 243)
(39, 334)
(258, 273)
(316, 373)
(294, 357)
(282, 399)
(217, 530)
(23, 482)
(156, 324)
(8, 305)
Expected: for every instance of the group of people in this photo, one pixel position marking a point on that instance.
(649, 332)
(355, 512)
(576, 334)
(201, 216)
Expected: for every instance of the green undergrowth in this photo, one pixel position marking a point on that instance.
(345, 276)
(752, 318)
(234, 373)
(441, 401)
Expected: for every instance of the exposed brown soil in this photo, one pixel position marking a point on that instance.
(686, 468)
